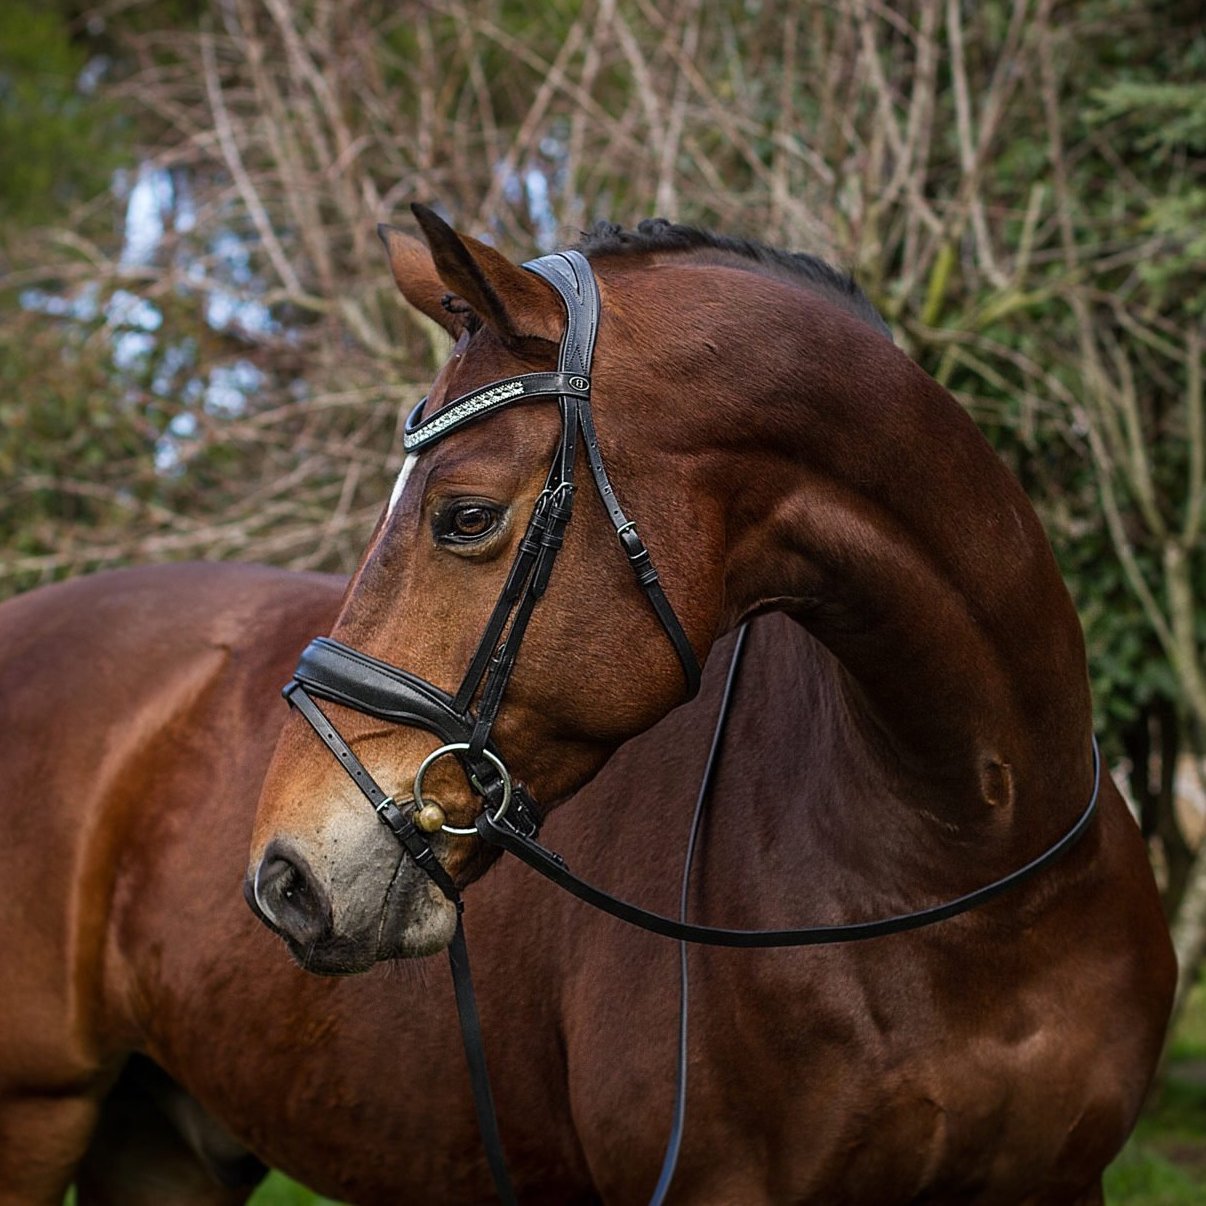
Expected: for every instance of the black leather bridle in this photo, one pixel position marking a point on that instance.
(510, 819)
(336, 672)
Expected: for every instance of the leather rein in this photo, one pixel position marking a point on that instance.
(510, 819)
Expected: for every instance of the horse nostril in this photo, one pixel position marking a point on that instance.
(274, 879)
(291, 884)
(289, 897)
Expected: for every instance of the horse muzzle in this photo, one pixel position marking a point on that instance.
(339, 917)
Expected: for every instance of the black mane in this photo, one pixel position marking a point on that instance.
(660, 235)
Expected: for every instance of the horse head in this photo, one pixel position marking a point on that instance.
(595, 666)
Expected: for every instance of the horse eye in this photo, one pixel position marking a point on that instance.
(466, 522)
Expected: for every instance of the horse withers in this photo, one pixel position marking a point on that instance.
(778, 453)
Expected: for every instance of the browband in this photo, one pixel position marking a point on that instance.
(468, 408)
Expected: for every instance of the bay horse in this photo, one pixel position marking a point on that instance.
(781, 455)
(915, 723)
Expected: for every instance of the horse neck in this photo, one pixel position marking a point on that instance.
(881, 520)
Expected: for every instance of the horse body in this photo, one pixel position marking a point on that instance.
(125, 934)
(141, 711)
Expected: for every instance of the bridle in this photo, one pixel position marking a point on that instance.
(334, 671)
(509, 818)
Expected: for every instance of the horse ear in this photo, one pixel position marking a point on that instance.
(517, 305)
(417, 278)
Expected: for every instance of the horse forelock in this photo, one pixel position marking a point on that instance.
(658, 236)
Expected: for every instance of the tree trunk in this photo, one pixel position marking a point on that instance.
(1189, 924)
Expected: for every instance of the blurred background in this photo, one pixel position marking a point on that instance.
(202, 354)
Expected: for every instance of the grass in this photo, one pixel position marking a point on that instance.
(1143, 1178)
(1164, 1164)
(278, 1190)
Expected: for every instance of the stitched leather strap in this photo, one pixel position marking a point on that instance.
(647, 578)
(336, 672)
(516, 583)
(678, 1116)
(570, 273)
(392, 817)
(475, 1057)
(553, 867)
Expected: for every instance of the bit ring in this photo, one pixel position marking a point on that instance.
(459, 747)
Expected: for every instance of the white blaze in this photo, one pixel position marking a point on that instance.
(400, 484)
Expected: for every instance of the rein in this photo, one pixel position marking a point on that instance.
(510, 819)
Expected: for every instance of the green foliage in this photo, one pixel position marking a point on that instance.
(276, 1190)
(57, 426)
(1164, 1164)
(71, 459)
(1159, 125)
(1167, 115)
(58, 143)
(1180, 220)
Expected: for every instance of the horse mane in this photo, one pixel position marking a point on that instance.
(655, 235)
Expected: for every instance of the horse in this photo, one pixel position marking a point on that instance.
(911, 719)
(780, 454)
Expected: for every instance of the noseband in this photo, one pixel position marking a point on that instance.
(510, 820)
